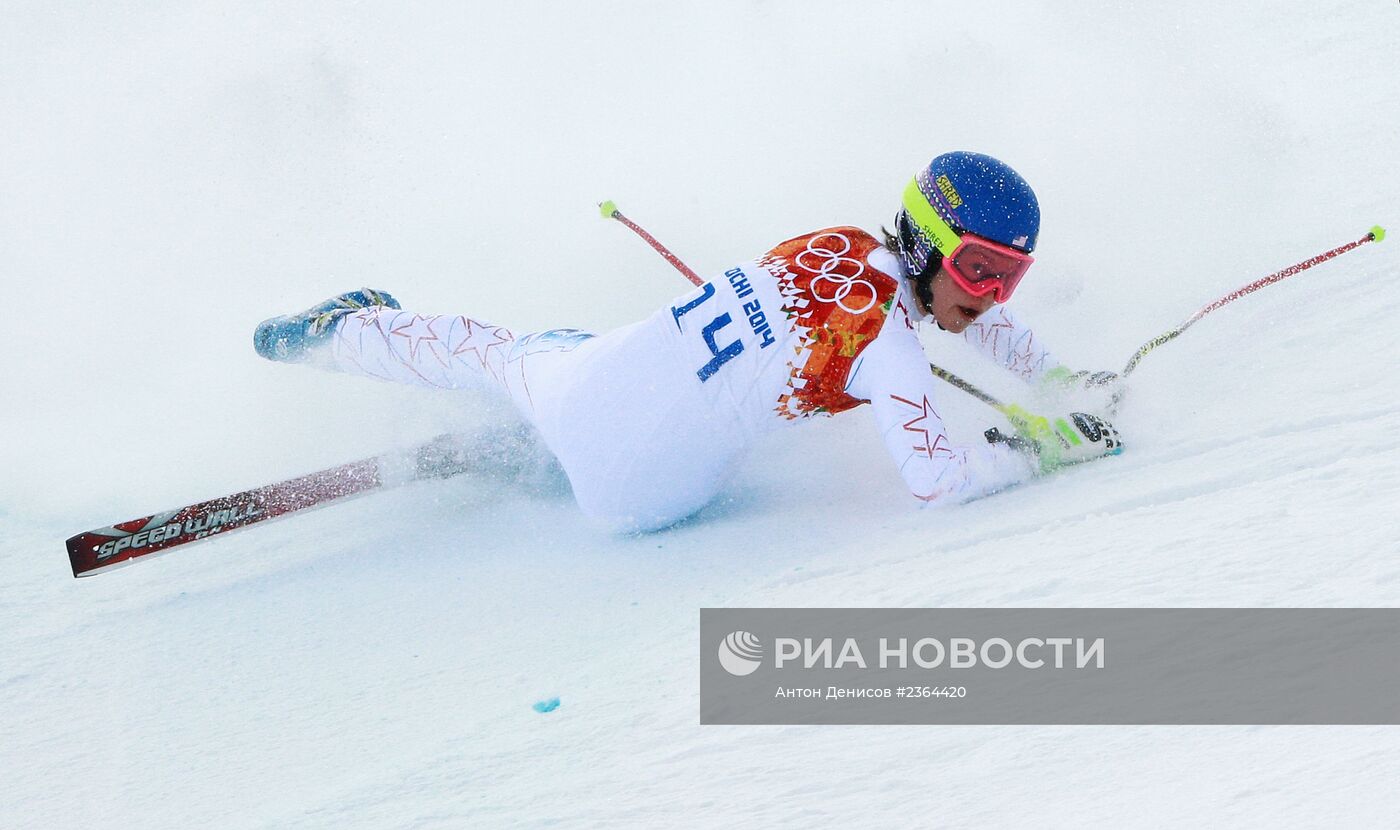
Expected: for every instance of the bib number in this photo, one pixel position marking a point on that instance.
(710, 333)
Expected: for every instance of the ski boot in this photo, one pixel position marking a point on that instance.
(290, 339)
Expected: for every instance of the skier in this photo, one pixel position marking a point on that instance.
(647, 420)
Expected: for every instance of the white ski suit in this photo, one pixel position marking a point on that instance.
(648, 419)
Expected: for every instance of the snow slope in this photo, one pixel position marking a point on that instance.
(173, 174)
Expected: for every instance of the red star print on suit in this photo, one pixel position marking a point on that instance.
(929, 447)
(479, 340)
(416, 331)
(991, 333)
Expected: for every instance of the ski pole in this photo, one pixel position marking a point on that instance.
(609, 210)
(945, 375)
(1376, 234)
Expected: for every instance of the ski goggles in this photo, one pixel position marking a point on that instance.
(979, 266)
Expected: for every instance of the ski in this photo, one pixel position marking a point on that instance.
(125, 542)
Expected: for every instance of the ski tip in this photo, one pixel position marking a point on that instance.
(1377, 232)
(607, 209)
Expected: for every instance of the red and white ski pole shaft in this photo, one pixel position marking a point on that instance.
(610, 211)
(1376, 234)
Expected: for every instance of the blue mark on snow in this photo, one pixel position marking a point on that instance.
(543, 706)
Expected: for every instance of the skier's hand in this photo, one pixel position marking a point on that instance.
(1061, 441)
(1061, 379)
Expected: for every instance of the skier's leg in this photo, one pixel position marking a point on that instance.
(641, 447)
(641, 442)
(440, 351)
(366, 333)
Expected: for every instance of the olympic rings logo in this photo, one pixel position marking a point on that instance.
(834, 268)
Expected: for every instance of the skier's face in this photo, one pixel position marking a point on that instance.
(954, 308)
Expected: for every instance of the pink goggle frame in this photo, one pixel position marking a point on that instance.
(980, 267)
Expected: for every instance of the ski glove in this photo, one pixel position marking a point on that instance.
(1058, 442)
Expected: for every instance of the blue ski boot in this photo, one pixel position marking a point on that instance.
(290, 339)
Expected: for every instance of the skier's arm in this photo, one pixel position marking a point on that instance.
(1004, 340)
(1012, 345)
(892, 373)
